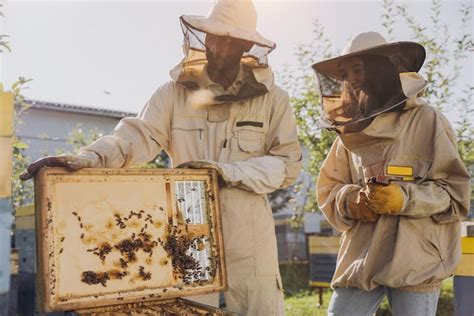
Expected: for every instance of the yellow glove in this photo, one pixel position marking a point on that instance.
(358, 209)
(385, 199)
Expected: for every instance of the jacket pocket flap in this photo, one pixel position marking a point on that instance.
(250, 144)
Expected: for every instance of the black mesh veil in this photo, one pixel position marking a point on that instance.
(195, 49)
(358, 87)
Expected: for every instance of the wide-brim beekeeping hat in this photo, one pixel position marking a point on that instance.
(234, 18)
(407, 56)
(402, 58)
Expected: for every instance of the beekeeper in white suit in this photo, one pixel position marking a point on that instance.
(393, 182)
(221, 110)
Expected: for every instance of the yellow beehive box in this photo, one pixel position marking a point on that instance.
(25, 217)
(467, 245)
(6, 142)
(324, 244)
(466, 266)
(110, 237)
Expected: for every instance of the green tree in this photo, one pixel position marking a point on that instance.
(78, 137)
(22, 191)
(447, 50)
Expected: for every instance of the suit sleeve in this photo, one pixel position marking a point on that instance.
(444, 194)
(334, 185)
(138, 139)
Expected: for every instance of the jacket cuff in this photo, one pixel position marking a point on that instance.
(342, 199)
(93, 158)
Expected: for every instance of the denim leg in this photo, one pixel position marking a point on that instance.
(410, 303)
(355, 302)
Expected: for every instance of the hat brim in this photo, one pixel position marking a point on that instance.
(214, 27)
(410, 58)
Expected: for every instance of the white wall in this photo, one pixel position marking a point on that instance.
(47, 130)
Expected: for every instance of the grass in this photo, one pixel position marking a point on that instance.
(305, 303)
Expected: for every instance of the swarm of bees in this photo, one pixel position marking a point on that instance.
(177, 246)
(91, 277)
(127, 247)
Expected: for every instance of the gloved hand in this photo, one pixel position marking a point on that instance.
(73, 162)
(358, 209)
(385, 199)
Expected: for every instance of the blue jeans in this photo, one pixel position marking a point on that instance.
(356, 302)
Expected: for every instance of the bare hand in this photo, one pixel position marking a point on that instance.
(33, 168)
(73, 162)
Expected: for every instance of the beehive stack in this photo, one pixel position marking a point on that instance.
(322, 259)
(464, 276)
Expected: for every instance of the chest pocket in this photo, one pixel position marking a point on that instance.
(415, 156)
(419, 166)
(248, 139)
(188, 139)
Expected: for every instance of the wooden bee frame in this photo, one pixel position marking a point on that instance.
(116, 236)
(176, 306)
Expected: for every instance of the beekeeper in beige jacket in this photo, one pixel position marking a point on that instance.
(393, 182)
(222, 110)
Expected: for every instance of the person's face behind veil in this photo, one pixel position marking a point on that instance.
(370, 82)
(223, 52)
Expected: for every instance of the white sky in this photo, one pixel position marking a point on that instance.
(76, 50)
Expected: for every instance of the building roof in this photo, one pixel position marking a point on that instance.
(52, 106)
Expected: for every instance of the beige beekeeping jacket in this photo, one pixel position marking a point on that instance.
(420, 247)
(254, 140)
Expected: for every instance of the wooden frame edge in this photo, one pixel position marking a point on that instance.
(43, 260)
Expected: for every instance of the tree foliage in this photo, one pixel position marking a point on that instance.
(78, 137)
(22, 191)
